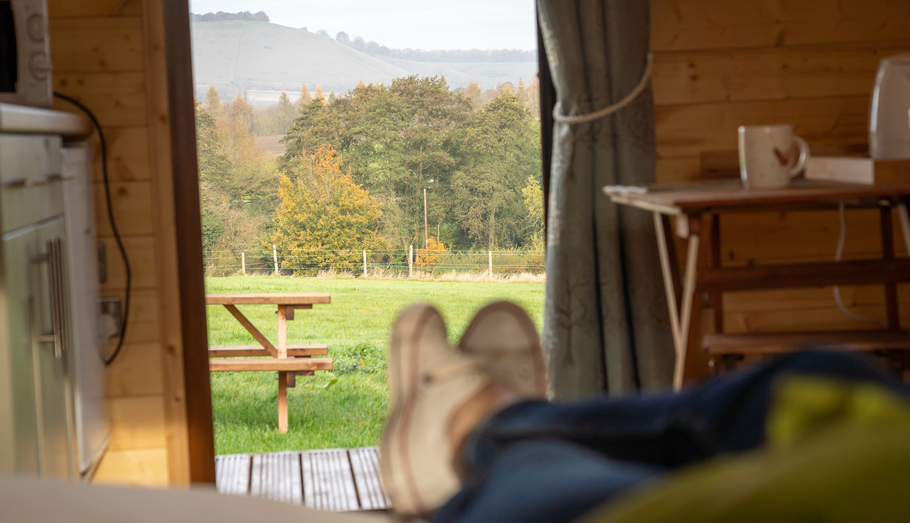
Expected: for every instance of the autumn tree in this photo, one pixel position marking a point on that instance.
(241, 112)
(325, 219)
(534, 206)
(473, 92)
(213, 102)
(319, 94)
(304, 101)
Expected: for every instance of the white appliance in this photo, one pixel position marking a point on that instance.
(53, 420)
(25, 63)
(889, 122)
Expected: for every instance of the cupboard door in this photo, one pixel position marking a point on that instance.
(54, 388)
(19, 252)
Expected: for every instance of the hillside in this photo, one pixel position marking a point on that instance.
(261, 55)
(265, 57)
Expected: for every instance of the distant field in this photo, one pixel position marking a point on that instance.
(356, 327)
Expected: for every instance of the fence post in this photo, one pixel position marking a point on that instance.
(411, 262)
(364, 264)
(490, 253)
(275, 258)
(243, 262)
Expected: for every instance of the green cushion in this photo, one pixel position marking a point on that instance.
(835, 453)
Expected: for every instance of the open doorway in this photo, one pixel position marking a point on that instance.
(374, 158)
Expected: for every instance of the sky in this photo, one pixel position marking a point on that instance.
(418, 24)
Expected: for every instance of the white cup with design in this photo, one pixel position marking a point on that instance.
(767, 156)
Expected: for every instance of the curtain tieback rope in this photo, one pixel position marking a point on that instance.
(590, 117)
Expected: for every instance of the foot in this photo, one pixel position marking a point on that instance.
(505, 339)
(430, 381)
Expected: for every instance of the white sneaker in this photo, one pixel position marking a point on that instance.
(505, 338)
(429, 381)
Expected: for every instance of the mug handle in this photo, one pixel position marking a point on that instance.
(803, 156)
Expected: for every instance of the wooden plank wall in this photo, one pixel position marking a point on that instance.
(720, 64)
(102, 51)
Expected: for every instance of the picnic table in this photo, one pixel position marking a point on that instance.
(288, 361)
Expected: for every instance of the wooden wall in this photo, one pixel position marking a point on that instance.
(720, 64)
(108, 54)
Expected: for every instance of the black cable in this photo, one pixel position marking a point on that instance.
(110, 216)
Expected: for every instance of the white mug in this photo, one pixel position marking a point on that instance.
(766, 159)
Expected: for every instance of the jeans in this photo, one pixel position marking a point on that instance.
(545, 462)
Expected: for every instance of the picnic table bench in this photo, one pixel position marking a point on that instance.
(288, 361)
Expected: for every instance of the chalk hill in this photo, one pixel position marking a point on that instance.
(254, 55)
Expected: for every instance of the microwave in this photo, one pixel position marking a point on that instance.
(25, 63)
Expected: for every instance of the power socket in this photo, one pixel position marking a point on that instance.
(111, 318)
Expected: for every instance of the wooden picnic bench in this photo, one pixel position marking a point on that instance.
(288, 361)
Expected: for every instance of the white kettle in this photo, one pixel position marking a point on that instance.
(889, 123)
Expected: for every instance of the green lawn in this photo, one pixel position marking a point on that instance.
(349, 412)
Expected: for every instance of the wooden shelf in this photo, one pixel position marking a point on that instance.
(778, 343)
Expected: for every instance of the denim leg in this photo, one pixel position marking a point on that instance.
(542, 481)
(667, 430)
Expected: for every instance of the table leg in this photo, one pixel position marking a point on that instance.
(891, 306)
(282, 345)
(283, 402)
(691, 310)
(671, 288)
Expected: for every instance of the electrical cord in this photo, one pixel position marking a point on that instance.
(837, 257)
(110, 215)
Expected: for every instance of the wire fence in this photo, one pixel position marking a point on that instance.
(396, 262)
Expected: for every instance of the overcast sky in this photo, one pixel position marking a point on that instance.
(418, 24)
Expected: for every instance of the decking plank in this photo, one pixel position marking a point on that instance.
(365, 467)
(333, 480)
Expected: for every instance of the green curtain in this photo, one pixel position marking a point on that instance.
(606, 325)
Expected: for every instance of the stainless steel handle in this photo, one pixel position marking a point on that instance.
(58, 295)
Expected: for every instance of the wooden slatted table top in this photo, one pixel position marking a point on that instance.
(304, 298)
(731, 195)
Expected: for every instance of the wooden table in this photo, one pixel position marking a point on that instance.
(288, 361)
(697, 209)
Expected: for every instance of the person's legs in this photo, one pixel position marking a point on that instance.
(726, 414)
(542, 481)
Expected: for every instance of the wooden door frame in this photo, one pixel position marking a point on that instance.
(188, 394)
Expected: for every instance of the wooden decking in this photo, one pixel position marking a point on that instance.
(334, 480)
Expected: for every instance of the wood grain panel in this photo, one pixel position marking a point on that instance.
(770, 73)
(136, 371)
(820, 298)
(97, 45)
(127, 152)
(801, 236)
(132, 202)
(686, 130)
(678, 170)
(140, 467)
(91, 8)
(141, 252)
(730, 24)
(137, 422)
(117, 99)
(802, 320)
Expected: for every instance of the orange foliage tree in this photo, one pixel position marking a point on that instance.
(426, 258)
(325, 219)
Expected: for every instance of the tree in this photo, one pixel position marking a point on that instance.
(325, 218)
(373, 47)
(241, 112)
(534, 205)
(304, 101)
(501, 151)
(323, 32)
(343, 37)
(359, 43)
(213, 102)
(472, 91)
(319, 94)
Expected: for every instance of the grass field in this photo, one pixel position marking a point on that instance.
(346, 407)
